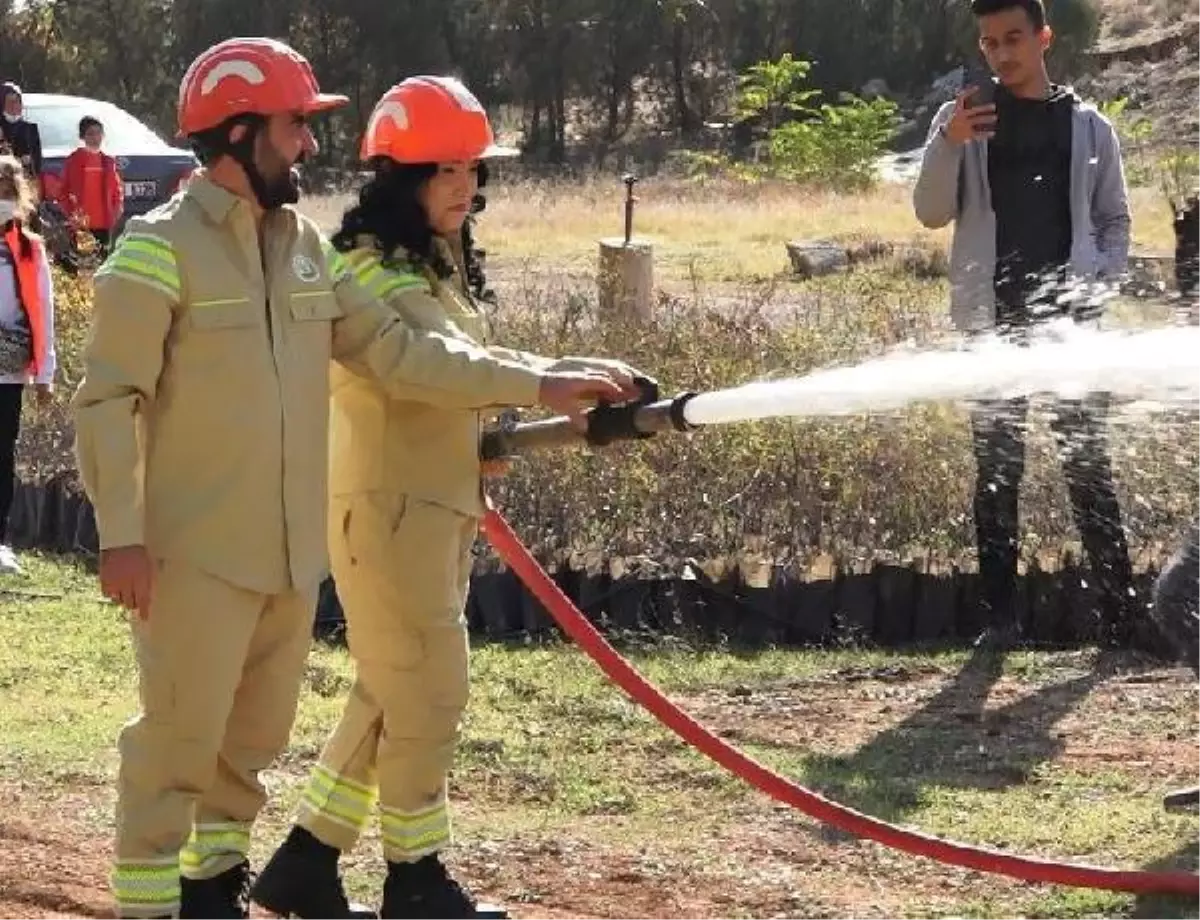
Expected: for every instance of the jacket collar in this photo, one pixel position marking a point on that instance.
(215, 201)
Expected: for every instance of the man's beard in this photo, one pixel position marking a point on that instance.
(281, 189)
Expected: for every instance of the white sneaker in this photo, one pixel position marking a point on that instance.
(8, 561)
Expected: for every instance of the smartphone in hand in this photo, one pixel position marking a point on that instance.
(979, 75)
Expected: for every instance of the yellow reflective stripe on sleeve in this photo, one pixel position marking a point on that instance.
(408, 836)
(395, 282)
(146, 887)
(381, 281)
(365, 268)
(335, 261)
(209, 843)
(145, 259)
(364, 255)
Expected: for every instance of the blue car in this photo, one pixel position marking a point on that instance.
(152, 170)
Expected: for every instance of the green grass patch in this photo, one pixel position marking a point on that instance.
(978, 750)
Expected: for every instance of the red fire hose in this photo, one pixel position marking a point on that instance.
(576, 625)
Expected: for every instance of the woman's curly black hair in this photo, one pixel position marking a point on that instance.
(389, 210)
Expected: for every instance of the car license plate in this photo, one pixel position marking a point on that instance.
(147, 189)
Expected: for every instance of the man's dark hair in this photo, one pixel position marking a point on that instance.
(213, 143)
(1034, 9)
(87, 123)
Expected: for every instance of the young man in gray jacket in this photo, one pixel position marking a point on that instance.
(1034, 184)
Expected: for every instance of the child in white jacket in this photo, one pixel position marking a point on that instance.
(26, 330)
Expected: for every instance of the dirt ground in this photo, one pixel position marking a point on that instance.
(50, 868)
(760, 859)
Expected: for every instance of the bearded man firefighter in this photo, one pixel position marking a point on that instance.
(201, 426)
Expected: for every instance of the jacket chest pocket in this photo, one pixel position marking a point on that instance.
(222, 332)
(312, 314)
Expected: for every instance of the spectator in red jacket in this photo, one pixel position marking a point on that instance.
(92, 192)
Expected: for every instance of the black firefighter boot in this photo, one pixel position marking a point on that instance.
(302, 880)
(425, 890)
(222, 896)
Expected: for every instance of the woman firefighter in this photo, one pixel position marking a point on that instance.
(406, 499)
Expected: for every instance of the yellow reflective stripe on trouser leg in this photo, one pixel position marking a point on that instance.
(213, 848)
(336, 798)
(146, 888)
(408, 836)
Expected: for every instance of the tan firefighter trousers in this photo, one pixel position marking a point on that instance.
(402, 568)
(220, 670)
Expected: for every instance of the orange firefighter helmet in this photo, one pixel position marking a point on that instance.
(259, 76)
(430, 120)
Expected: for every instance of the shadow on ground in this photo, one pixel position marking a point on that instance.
(1149, 906)
(954, 741)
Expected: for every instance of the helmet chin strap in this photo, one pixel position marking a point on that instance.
(242, 151)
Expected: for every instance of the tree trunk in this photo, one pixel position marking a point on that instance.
(558, 81)
(116, 47)
(613, 90)
(535, 125)
(558, 149)
(684, 119)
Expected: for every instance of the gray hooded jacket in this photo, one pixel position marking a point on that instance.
(953, 186)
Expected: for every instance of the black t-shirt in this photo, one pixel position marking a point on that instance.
(1029, 171)
(1187, 247)
(26, 142)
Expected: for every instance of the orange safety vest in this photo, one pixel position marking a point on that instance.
(29, 289)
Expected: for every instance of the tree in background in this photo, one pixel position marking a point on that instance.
(803, 139)
(570, 74)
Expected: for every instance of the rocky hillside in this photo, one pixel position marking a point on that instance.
(1149, 53)
(1122, 20)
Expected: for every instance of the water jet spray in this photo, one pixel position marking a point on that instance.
(1158, 367)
